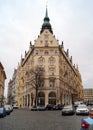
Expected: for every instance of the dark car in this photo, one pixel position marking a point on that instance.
(41, 108)
(68, 110)
(58, 107)
(49, 107)
(33, 108)
(2, 112)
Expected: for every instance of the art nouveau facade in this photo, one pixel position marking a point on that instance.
(62, 81)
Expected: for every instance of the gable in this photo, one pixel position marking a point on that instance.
(46, 39)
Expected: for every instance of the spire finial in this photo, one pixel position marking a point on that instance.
(46, 3)
(46, 24)
(46, 10)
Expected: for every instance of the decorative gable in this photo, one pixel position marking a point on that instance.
(46, 39)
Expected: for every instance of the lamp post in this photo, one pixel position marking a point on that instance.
(36, 89)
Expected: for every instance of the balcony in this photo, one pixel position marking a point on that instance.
(52, 75)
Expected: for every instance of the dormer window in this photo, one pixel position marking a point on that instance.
(46, 37)
(46, 43)
(36, 51)
(41, 42)
(51, 42)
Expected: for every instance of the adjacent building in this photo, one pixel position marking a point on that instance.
(88, 95)
(62, 81)
(12, 89)
(2, 83)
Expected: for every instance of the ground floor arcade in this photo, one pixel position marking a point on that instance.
(45, 97)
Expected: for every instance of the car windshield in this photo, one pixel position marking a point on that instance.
(67, 107)
(81, 106)
(7, 105)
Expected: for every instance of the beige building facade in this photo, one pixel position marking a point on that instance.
(13, 90)
(88, 95)
(2, 83)
(62, 79)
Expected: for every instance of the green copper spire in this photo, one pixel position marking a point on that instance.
(46, 12)
(46, 24)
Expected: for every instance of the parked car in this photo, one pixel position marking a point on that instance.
(34, 108)
(91, 113)
(49, 107)
(2, 112)
(77, 103)
(68, 110)
(82, 109)
(7, 109)
(87, 124)
(41, 108)
(11, 108)
(15, 107)
(58, 107)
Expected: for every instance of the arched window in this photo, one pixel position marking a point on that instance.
(41, 61)
(52, 94)
(52, 61)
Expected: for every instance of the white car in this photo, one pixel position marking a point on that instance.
(7, 109)
(15, 106)
(82, 109)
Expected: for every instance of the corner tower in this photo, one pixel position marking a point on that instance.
(46, 24)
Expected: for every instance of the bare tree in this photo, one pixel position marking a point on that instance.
(37, 80)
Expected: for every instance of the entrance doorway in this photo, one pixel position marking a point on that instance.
(52, 98)
(41, 98)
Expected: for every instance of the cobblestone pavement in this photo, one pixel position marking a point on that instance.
(39, 120)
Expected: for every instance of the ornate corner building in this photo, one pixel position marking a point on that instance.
(62, 79)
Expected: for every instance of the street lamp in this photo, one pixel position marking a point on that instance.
(36, 89)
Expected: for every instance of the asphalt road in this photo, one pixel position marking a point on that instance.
(39, 120)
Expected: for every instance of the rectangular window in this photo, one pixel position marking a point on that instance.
(51, 52)
(51, 83)
(51, 62)
(41, 52)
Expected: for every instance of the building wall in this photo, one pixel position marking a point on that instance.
(58, 66)
(62, 79)
(12, 89)
(2, 82)
(88, 95)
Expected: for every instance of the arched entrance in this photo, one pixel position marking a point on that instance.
(41, 98)
(52, 98)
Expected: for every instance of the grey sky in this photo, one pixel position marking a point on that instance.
(71, 20)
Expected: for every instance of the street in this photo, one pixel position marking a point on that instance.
(39, 120)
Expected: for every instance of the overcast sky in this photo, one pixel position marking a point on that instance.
(72, 23)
